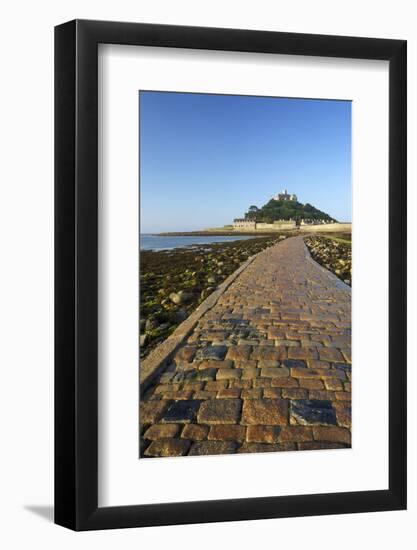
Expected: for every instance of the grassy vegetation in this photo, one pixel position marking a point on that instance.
(344, 238)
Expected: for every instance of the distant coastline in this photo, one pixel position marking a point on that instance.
(169, 242)
(229, 232)
(211, 232)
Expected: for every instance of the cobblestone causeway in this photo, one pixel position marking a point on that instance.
(268, 368)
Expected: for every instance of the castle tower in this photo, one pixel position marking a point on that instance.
(284, 196)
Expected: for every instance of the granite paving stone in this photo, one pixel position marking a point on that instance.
(220, 411)
(181, 411)
(151, 411)
(320, 445)
(228, 432)
(285, 382)
(274, 372)
(161, 431)
(272, 393)
(213, 448)
(196, 432)
(252, 393)
(202, 394)
(309, 412)
(229, 393)
(167, 447)
(311, 384)
(228, 374)
(216, 353)
(294, 393)
(295, 434)
(262, 434)
(265, 412)
(343, 413)
(334, 433)
(207, 374)
(294, 363)
(266, 447)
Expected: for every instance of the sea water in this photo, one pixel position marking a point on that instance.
(161, 242)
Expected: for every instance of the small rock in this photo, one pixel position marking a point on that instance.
(151, 324)
(180, 297)
(181, 315)
(206, 292)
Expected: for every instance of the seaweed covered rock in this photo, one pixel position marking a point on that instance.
(334, 255)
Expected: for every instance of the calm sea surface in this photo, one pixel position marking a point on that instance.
(156, 242)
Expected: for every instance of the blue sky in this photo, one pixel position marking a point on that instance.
(204, 159)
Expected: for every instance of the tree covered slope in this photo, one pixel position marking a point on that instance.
(286, 210)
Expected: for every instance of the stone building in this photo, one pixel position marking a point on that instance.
(313, 221)
(277, 225)
(284, 196)
(252, 225)
(243, 223)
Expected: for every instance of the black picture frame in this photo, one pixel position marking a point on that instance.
(76, 272)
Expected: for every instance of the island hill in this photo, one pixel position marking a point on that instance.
(283, 211)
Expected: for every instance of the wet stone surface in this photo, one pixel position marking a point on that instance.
(216, 353)
(294, 363)
(181, 411)
(266, 369)
(314, 411)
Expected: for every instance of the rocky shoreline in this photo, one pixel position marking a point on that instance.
(219, 233)
(332, 253)
(174, 282)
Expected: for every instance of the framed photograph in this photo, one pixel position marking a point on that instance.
(230, 234)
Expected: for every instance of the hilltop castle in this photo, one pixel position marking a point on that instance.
(276, 216)
(284, 196)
